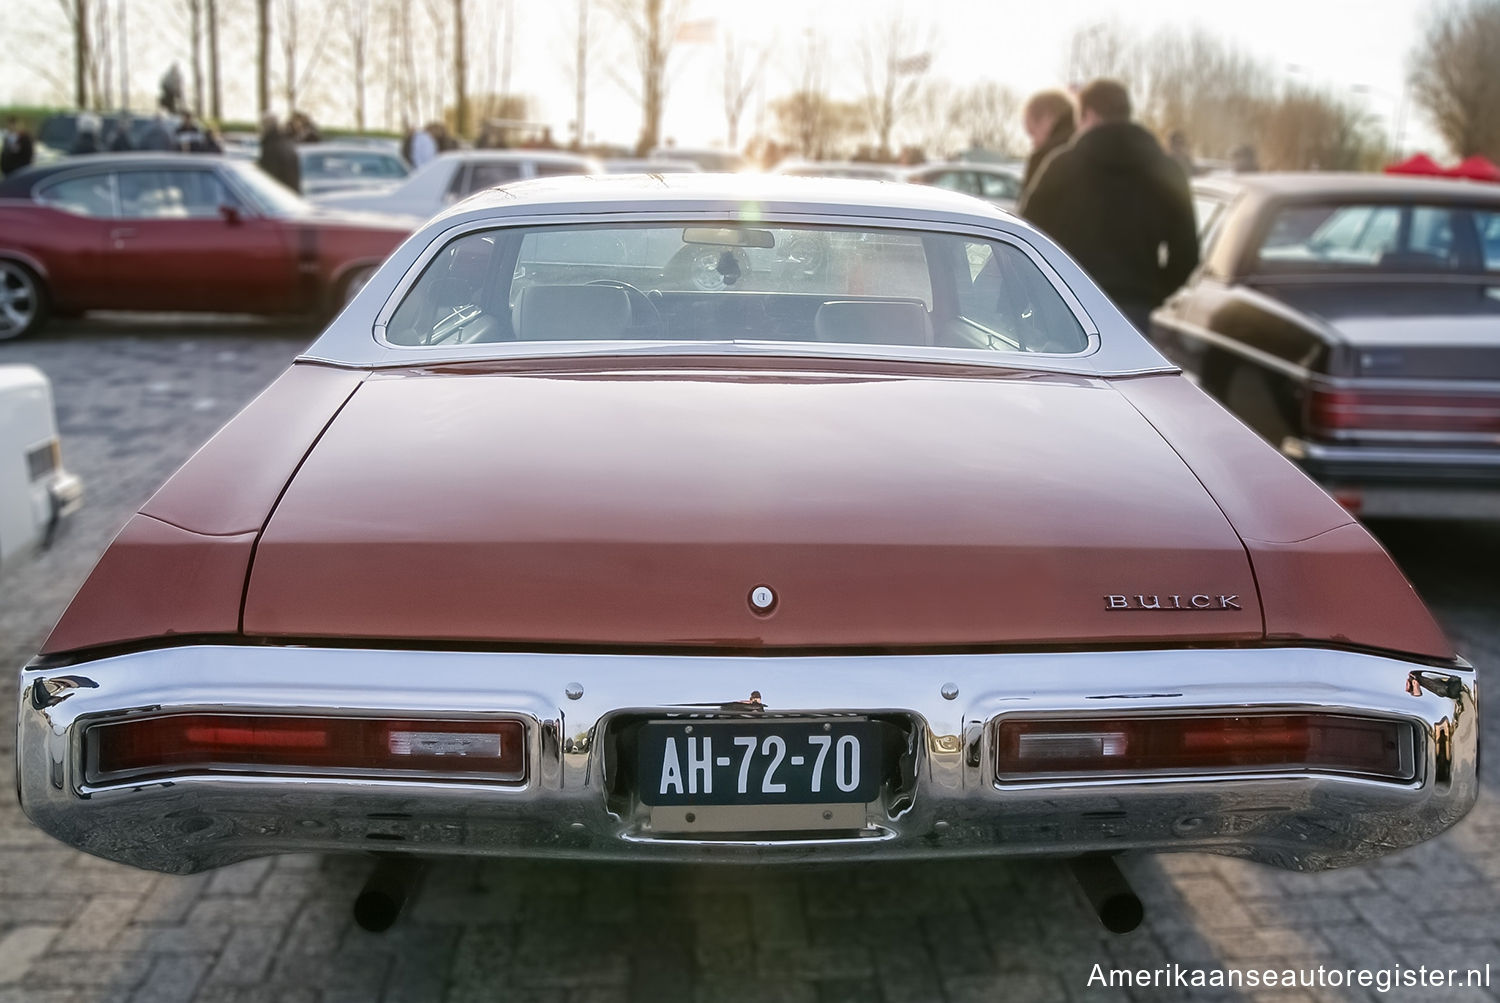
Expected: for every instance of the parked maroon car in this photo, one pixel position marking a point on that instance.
(168, 232)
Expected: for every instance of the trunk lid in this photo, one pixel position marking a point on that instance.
(641, 510)
(1406, 330)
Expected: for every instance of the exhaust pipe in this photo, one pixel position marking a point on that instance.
(1118, 906)
(386, 890)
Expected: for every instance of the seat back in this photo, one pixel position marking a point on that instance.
(571, 313)
(873, 322)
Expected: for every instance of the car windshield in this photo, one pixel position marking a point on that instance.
(1385, 237)
(269, 195)
(736, 282)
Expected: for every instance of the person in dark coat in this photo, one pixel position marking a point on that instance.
(119, 135)
(86, 140)
(17, 148)
(1049, 121)
(278, 154)
(158, 135)
(1113, 199)
(194, 137)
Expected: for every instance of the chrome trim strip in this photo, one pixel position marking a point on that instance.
(570, 702)
(350, 342)
(1232, 345)
(1418, 457)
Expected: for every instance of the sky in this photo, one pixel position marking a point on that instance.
(1355, 47)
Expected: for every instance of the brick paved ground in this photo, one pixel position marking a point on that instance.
(135, 399)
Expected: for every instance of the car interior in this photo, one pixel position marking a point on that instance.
(735, 283)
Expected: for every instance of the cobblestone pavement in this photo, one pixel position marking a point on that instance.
(135, 398)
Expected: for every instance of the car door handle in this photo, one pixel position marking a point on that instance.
(120, 233)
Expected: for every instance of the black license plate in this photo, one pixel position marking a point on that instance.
(745, 762)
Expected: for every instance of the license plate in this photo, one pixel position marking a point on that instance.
(744, 762)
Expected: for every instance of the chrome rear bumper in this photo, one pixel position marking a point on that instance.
(1300, 821)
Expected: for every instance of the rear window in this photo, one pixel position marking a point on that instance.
(734, 282)
(1379, 238)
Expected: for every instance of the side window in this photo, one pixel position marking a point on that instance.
(174, 194)
(1008, 304)
(999, 186)
(1488, 226)
(958, 181)
(482, 176)
(89, 195)
(555, 168)
(1432, 236)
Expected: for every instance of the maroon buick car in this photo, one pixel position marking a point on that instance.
(171, 232)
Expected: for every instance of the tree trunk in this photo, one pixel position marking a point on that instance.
(80, 53)
(195, 11)
(460, 73)
(263, 55)
(215, 108)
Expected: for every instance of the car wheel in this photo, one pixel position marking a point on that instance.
(23, 300)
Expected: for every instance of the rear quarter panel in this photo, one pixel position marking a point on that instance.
(1322, 577)
(179, 566)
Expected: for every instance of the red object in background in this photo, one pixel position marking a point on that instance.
(1420, 164)
(1476, 168)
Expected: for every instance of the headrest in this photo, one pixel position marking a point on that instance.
(571, 313)
(866, 322)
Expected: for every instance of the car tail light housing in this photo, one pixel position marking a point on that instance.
(1343, 411)
(480, 749)
(1087, 748)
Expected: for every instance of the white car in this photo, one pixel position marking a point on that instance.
(991, 182)
(453, 176)
(36, 493)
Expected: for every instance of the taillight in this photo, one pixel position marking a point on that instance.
(336, 746)
(1355, 410)
(1043, 748)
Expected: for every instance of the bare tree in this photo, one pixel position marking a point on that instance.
(815, 125)
(742, 71)
(988, 115)
(652, 29)
(262, 56)
(196, 12)
(100, 62)
(358, 22)
(1209, 90)
(216, 108)
(77, 13)
(1309, 130)
(461, 123)
(1102, 49)
(297, 73)
(892, 72)
(1455, 74)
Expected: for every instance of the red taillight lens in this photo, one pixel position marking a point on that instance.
(350, 746)
(1094, 747)
(1345, 410)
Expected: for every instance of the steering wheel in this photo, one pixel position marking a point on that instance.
(643, 312)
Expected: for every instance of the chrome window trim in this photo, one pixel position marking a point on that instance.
(410, 277)
(570, 701)
(353, 343)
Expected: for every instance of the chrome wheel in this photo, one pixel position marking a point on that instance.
(20, 300)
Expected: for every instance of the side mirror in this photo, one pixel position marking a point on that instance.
(231, 214)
